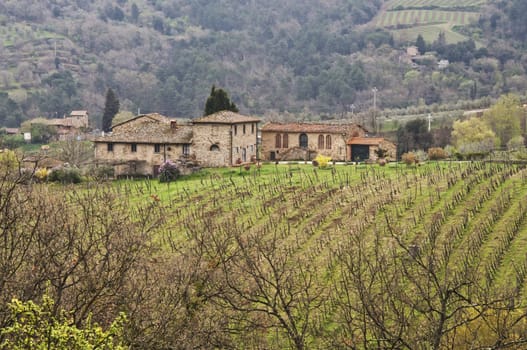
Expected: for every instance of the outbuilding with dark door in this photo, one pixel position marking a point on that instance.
(366, 148)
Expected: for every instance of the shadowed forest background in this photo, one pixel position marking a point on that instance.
(307, 58)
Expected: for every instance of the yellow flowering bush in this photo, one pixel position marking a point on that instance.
(41, 174)
(322, 161)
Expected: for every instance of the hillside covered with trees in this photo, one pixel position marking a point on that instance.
(310, 58)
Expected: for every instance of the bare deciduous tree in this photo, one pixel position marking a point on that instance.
(261, 282)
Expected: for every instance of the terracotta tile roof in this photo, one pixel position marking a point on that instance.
(154, 128)
(155, 116)
(60, 122)
(310, 128)
(12, 131)
(182, 135)
(226, 117)
(43, 162)
(372, 141)
(66, 122)
(79, 113)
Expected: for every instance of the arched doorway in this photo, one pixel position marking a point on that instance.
(302, 141)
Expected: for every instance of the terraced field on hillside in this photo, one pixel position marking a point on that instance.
(409, 18)
(438, 3)
(416, 256)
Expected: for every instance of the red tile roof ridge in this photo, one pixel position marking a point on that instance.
(365, 140)
(309, 127)
(226, 117)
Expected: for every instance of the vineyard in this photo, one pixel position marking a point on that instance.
(438, 3)
(394, 19)
(353, 255)
(409, 18)
(293, 256)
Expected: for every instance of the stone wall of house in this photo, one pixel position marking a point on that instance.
(79, 121)
(386, 145)
(337, 151)
(145, 158)
(391, 148)
(214, 146)
(297, 153)
(244, 140)
(212, 143)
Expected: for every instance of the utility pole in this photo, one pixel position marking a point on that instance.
(429, 122)
(374, 90)
(351, 108)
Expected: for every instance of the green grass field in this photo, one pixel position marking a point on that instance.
(429, 33)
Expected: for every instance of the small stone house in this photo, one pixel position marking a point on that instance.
(79, 119)
(140, 145)
(365, 148)
(412, 51)
(304, 141)
(11, 131)
(443, 64)
(69, 127)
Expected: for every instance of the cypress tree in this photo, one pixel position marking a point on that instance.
(421, 44)
(219, 101)
(111, 108)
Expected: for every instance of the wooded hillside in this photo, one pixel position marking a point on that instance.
(311, 58)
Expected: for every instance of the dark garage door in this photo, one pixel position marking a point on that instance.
(360, 153)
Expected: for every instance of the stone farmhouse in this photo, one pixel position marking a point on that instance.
(304, 141)
(140, 145)
(69, 127)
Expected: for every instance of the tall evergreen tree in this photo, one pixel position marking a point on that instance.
(134, 13)
(421, 44)
(219, 101)
(111, 108)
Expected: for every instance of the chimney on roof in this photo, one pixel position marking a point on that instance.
(173, 124)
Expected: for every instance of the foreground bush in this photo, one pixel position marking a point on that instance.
(103, 172)
(34, 327)
(41, 174)
(437, 153)
(321, 161)
(65, 175)
(168, 171)
(409, 158)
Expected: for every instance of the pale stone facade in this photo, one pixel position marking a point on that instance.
(412, 51)
(139, 146)
(79, 119)
(225, 138)
(304, 141)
